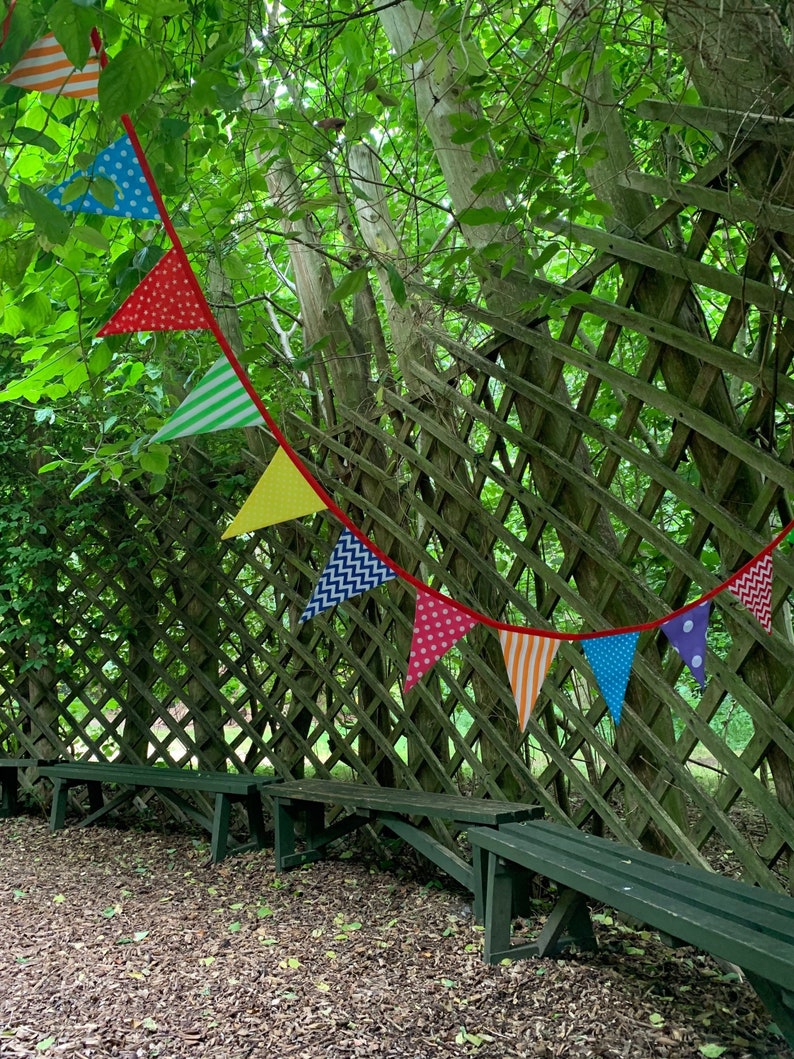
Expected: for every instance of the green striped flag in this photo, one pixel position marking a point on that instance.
(219, 402)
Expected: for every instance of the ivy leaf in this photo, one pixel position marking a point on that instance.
(474, 215)
(91, 237)
(351, 284)
(72, 24)
(104, 190)
(75, 190)
(36, 138)
(48, 219)
(396, 285)
(155, 461)
(127, 81)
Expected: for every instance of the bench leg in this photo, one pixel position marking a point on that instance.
(96, 801)
(9, 785)
(313, 814)
(220, 827)
(498, 909)
(778, 1002)
(256, 819)
(285, 833)
(572, 914)
(479, 873)
(60, 791)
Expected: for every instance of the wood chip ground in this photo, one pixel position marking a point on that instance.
(129, 943)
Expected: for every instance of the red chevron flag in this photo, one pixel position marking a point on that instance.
(754, 589)
(45, 68)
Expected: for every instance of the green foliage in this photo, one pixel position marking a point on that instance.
(128, 81)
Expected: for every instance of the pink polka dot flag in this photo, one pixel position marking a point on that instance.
(438, 626)
(165, 300)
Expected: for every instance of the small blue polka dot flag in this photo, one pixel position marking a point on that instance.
(119, 164)
(611, 659)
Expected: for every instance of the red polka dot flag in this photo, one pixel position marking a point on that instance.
(438, 626)
(165, 300)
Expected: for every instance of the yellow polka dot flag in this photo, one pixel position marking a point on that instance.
(281, 493)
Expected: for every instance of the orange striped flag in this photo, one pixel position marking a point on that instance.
(45, 68)
(527, 658)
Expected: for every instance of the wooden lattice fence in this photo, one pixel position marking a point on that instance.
(553, 474)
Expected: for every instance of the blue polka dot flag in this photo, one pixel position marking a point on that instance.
(119, 164)
(611, 659)
(687, 633)
(351, 570)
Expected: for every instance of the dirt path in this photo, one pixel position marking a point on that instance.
(129, 943)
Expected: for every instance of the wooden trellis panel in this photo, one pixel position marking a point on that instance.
(175, 646)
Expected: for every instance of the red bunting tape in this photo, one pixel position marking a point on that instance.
(420, 586)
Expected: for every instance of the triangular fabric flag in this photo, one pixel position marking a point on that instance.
(754, 589)
(164, 300)
(218, 402)
(438, 626)
(45, 68)
(527, 658)
(611, 659)
(120, 165)
(351, 570)
(280, 494)
(687, 633)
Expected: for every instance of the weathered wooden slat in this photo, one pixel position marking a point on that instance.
(678, 267)
(731, 205)
(757, 128)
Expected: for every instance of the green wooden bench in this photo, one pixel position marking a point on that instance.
(745, 925)
(227, 788)
(9, 781)
(304, 801)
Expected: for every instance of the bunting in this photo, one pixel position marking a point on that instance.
(169, 299)
(438, 625)
(611, 659)
(131, 195)
(45, 68)
(754, 589)
(351, 570)
(218, 402)
(528, 659)
(687, 633)
(164, 300)
(281, 493)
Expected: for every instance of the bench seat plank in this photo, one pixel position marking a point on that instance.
(674, 882)
(227, 788)
(457, 807)
(742, 924)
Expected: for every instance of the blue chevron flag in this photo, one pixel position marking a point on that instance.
(351, 570)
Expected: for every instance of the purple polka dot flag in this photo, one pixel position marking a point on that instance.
(119, 164)
(438, 626)
(164, 300)
(754, 589)
(687, 633)
(351, 570)
(611, 659)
